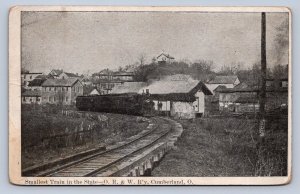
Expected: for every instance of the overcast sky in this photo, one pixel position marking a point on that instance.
(91, 41)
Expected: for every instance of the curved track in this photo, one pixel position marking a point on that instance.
(103, 161)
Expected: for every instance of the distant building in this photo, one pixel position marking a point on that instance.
(36, 84)
(227, 81)
(28, 77)
(123, 76)
(55, 73)
(90, 91)
(65, 75)
(61, 91)
(106, 79)
(94, 92)
(31, 97)
(246, 99)
(164, 58)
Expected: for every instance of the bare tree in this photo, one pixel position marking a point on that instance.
(142, 59)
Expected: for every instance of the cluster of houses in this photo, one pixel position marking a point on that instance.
(178, 95)
(59, 87)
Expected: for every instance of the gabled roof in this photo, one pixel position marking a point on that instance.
(223, 79)
(166, 55)
(60, 82)
(105, 72)
(56, 72)
(220, 88)
(31, 93)
(241, 85)
(128, 87)
(169, 86)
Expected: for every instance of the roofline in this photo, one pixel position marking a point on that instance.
(64, 85)
(170, 57)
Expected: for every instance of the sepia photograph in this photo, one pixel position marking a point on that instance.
(163, 95)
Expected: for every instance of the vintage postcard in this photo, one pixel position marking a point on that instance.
(102, 95)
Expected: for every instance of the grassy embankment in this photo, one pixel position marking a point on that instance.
(227, 147)
(47, 134)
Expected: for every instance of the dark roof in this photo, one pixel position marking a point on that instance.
(223, 79)
(60, 82)
(71, 74)
(31, 93)
(166, 55)
(36, 82)
(43, 77)
(88, 89)
(241, 85)
(220, 88)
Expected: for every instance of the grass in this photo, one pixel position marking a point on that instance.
(227, 147)
(47, 134)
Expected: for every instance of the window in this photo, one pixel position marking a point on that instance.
(62, 89)
(67, 98)
(67, 89)
(30, 77)
(37, 99)
(45, 89)
(49, 88)
(54, 99)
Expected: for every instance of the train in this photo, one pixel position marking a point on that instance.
(131, 104)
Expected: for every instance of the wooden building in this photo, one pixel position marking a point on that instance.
(178, 96)
(28, 77)
(240, 99)
(227, 81)
(31, 97)
(164, 59)
(61, 91)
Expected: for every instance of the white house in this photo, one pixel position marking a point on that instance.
(229, 81)
(164, 58)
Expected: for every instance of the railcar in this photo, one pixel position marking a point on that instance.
(132, 104)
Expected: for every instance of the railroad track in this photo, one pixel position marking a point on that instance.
(105, 161)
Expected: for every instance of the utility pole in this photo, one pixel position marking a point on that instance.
(262, 91)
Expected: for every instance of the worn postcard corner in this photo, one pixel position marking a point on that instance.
(108, 95)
